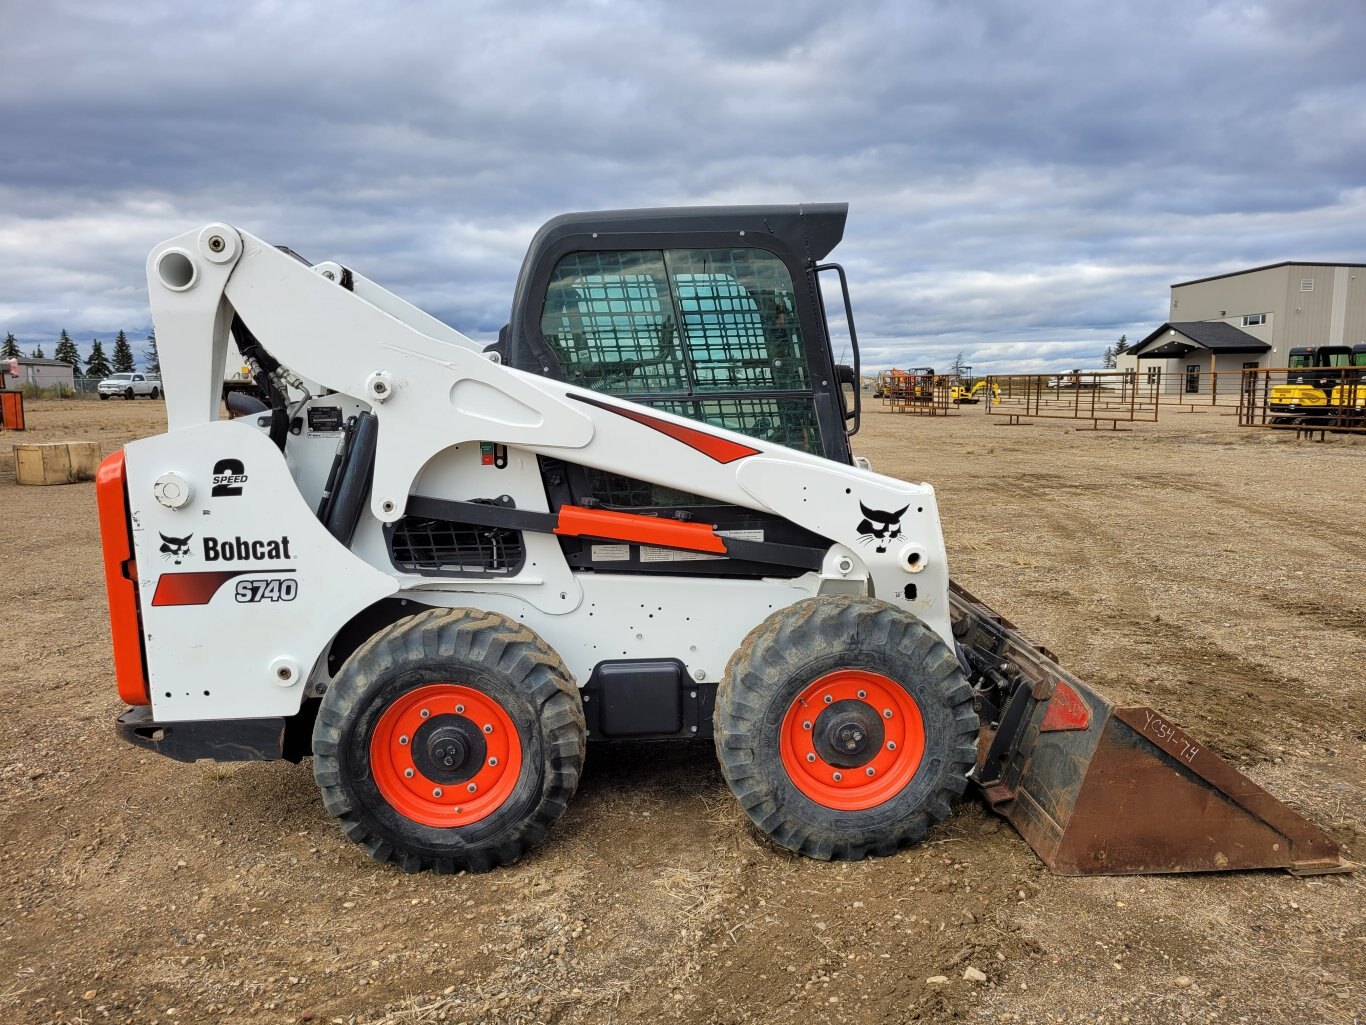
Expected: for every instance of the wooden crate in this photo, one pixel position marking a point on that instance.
(60, 462)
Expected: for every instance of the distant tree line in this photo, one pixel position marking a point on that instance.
(96, 364)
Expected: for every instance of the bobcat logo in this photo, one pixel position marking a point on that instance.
(880, 527)
(176, 548)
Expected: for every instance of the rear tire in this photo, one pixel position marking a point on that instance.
(845, 727)
(155, 394)
(432, 706)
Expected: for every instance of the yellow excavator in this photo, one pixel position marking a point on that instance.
(969, 389)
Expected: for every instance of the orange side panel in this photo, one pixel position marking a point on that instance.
(120, 575)
(576, 521)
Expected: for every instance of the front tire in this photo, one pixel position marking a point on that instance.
(104, 397)
(452, 740)
(845, 727)
(128, 395)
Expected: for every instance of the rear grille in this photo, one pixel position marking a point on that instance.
(452, 548)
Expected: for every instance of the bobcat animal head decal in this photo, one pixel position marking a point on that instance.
(175, 548)
(880, 527)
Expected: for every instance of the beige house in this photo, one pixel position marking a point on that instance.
(1252, 318)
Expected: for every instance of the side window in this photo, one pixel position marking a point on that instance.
(739, 320)
(664, 326)
(610, 320)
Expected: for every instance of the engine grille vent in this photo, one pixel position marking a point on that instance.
(451, 548)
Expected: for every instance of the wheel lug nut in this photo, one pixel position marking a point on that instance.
(472, 788)
(806, 726)
(436, 792)
(828, 699)
(408, 773)
(863, 693)
(460, 709)
(891, 745)
(488, 728)
(872, 771)
(493, 761)
(448, 761)
(810, 758)
(839, 776)
(886, 713)
(425, 713)
(403, 741)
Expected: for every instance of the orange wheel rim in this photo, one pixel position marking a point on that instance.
(445, 755)
(852, 740)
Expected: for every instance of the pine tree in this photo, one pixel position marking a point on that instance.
(38, 352)
(1122, 346)
(151, 355)
(10, 350)
(67, 352)
(123, 355)
(958, 365)
(1109, 361)
(95, 364)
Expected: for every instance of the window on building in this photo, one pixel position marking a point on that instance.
(1154, 374)
(1253, 319)
(1176, 304)
(1306, 284)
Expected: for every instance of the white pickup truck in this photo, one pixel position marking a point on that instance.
(130, 386)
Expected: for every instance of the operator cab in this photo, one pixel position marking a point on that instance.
(712, 313)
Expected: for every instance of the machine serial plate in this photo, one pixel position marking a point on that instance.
(325, 420)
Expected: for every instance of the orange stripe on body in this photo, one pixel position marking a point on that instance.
(720, 449)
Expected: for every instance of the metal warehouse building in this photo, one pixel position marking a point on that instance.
(1252, 318)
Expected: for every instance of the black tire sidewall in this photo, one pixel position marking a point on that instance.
(936, 716)
(508, 820)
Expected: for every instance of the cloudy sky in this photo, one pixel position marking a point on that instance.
(1025, 179)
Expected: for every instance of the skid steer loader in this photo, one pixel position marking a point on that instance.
(443, 568)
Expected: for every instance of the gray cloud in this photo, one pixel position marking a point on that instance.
(1025, 180)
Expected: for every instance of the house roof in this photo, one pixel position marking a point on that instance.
(29, 361)
(1214, 335)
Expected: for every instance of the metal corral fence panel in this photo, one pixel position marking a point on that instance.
(1199, 390)
(915, 392)
(1102, 396)
(1323, 399)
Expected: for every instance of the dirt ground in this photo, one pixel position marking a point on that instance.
(1213, 572)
